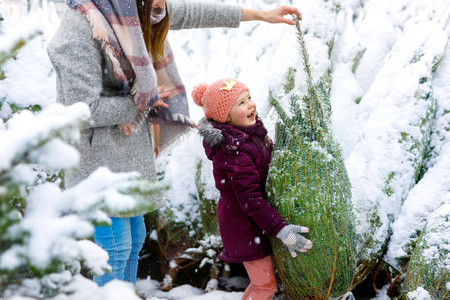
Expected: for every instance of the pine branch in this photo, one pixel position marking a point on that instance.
(20, 39)
(281, 113)
(313, 102)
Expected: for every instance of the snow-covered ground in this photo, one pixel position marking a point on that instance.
(389, 67)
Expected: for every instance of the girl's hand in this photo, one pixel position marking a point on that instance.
(291, 237)
(275, 15)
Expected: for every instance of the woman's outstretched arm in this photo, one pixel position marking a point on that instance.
(186, 14)
(275, 15)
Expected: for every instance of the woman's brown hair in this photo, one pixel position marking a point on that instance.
(154, 35)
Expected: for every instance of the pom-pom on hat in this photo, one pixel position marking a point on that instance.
(218, 98)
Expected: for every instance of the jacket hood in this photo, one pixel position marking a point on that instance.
(211, 135)
(216, 135)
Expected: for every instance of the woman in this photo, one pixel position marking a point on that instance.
(100, 54)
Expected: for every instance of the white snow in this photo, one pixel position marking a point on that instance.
(149, 289)
(424, 198)
(382, 294)
(83, 288)
(437, 239)
(419, 294)
(25, 130)
(29, 79)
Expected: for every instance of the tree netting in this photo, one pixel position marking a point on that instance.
(308, 185)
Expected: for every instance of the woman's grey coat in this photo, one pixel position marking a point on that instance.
(85, 74)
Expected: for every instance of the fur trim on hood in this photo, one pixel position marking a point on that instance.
(213, 136)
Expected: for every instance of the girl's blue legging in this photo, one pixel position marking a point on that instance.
(122, 240)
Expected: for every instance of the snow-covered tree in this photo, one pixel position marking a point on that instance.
(192, 239)
(394, 120)
(211, 242)
(429, 267)
(44, 248)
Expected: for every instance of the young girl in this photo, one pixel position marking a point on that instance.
(236, 141)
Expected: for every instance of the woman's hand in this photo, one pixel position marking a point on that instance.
(162, 97)
(275, 15)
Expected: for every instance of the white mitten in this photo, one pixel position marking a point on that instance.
(291, 237)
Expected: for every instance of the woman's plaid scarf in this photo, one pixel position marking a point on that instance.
(116, 24)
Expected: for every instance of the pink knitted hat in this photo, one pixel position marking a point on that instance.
(218, 98)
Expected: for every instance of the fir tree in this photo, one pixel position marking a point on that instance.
(47, 245)
(211, 242)
(45, 232)
(429, 265)
(396, 116)
(193, 241)
(308, 185)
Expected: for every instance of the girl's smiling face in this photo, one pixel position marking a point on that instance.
(243, 112)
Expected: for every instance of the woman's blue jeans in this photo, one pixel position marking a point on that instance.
(122, 240)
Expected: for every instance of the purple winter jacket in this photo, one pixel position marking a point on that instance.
(241, 159)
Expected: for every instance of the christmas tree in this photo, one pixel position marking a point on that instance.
(308, 185)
